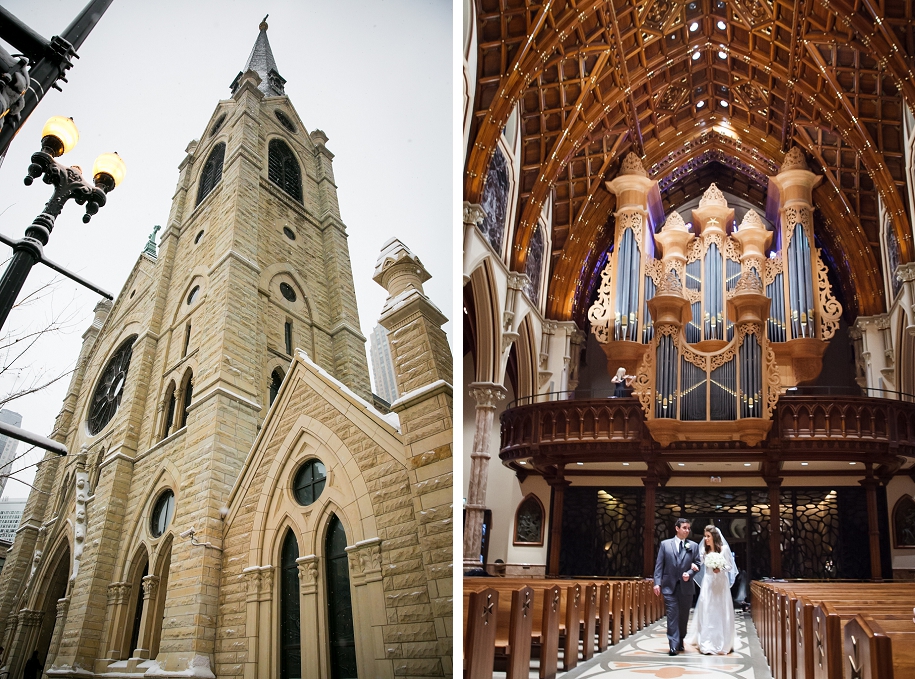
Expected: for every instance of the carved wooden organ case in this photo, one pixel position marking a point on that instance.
(716, 323)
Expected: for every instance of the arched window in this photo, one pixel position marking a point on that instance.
(529, 522)
(533, 265)
(169, 410)
(276, 379)
(212, 172)
(187, 393)
(340, 629)
(290, 638)
(495, 200)
(904, 522)
(283, 169)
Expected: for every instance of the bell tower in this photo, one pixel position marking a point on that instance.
(173, 383)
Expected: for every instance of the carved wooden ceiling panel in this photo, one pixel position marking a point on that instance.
(702, 90)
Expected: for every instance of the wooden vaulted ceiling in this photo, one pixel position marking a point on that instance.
(701, 90)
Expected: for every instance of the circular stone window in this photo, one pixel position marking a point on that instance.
(198, 237)
(309, 482)
(107, 396)
(287, 292)
(193, 295)
(162, 513)
(284, 121)
(290, 234)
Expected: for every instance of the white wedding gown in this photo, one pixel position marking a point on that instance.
(712, 628)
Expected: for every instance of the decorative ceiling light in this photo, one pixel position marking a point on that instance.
(694, 26)
(804, 464)
(700, 104)
(724, 103)
(696, 55)
(721, 25)
(746, 464)
(625, 464)
(722, 54)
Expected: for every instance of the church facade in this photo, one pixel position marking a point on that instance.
(235, 505)
(634, 176)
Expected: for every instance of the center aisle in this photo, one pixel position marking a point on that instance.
(644, 655)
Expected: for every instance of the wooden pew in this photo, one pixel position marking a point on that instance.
(872, 650)
(800, 623)
(480, 633)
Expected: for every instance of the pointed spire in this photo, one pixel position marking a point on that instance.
(261, 61)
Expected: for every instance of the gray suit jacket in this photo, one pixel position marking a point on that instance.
(669, 567)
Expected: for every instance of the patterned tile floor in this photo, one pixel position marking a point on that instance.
(644, 656)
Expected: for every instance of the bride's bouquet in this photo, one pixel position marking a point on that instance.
(714, 560)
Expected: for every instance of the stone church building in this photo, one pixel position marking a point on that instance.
(234, 504)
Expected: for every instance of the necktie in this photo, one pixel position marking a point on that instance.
(680, 550)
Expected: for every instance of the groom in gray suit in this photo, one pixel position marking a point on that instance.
(678, 561)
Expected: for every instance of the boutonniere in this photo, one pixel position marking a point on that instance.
(688, 546)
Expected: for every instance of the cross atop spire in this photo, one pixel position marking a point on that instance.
(261, 61)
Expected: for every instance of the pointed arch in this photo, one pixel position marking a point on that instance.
(184, 398)
(168, 412)
(481, 303)
(904, 522)
(530, 522)
(528, 370)
(283, 168)
(211, 172)
(290, 646)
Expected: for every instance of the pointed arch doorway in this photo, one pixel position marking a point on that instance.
(341, 634)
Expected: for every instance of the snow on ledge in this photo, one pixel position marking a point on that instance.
(391, 419)
(409, 397)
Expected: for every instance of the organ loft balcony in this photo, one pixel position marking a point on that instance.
(714, 332)
(814, 432)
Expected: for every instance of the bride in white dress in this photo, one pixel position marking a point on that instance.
(712, 629)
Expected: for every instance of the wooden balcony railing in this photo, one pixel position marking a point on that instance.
(805, 420)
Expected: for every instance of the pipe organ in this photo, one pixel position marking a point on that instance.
(722, 317)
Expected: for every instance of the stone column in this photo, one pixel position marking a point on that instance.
(775, 525)
(308, 617)
(148, 618)
(369, 617)
(24, 641)
(870, 486)
(486, 394)
(259, 621)
(648, 551)
(559, 486)
(116, 621)
(62, 606)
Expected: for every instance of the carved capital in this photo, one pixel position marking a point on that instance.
(62, 606)
(906, 272)
(487, 394)
(365, 560)
(473, 214)
(150, 586)
(882, 322)
(516, 280)
(118, 592)
(308, 573)
(29, 618)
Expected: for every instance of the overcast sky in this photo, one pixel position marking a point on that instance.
(374, 75)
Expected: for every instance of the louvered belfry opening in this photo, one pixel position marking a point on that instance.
(283, 169)
(212, 172)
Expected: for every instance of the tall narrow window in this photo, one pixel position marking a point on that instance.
(187, 340)
(212, 172)
(283, 168)
(276, 379)
(188, 394)
(170, 412)
(138, 612)
(341, 633)
(287, 333)
(290, 639)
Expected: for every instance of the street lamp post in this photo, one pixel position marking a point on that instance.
(58, 137)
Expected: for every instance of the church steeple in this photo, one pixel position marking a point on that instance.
(261, 61)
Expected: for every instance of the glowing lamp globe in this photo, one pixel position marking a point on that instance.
(59, 135)
(108, 171)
